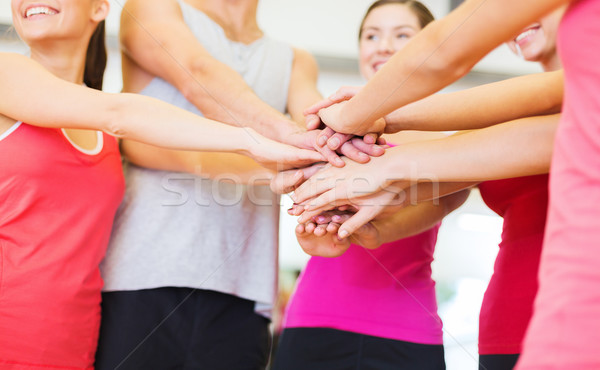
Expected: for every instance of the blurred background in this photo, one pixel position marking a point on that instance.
(468, 239)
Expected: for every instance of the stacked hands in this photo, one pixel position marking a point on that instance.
(341, 200)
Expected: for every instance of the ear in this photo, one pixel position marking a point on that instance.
(100, 10)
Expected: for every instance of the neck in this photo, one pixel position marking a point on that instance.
(236, 17)
(63, 59)
(552, 63)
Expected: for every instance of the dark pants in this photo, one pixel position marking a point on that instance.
(180, 328)
(497, 362)
(326, 349)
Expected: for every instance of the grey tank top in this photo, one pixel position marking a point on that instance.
(180, 230)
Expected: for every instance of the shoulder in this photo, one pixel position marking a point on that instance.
(304, 62)
(157, 9)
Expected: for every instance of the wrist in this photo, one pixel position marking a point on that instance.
(245, 141)
(390, 165)
(274, 125)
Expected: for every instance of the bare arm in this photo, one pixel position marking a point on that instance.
(321, 240)
(302, 90)
(128, 116)
(517, 148)
(205, 164)
(439, 55)
(155, 37)
(482, 106)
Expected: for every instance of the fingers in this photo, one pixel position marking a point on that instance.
(305, 157)
(324, 136)
(372, 150)
(312, 188)
(330, 156)
(308, 216)
(310, 171)
(344, 93)
(313, 109)
(351, 151)
(360, 218)
(312, 121)
(336, 140)
(286, 181)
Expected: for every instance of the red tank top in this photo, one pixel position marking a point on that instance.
(56, 211)
(508, 301)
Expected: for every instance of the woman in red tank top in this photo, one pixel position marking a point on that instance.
(61, 181)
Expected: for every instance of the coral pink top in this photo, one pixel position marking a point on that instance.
(508, 301)
(565, 329)
(56, 210)
(386, 292)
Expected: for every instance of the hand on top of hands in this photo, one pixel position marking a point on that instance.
(319, 237)
(329, 112)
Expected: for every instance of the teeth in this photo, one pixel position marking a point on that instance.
(39, 10)
(525, 34)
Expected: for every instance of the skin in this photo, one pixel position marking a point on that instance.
(58, 44)
(537, 42)
(386, 30)
(438, 58)
(164, 46)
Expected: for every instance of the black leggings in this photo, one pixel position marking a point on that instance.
(326, 349)
(498, 362)
(181, 328)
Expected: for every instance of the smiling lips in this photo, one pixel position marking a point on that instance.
(524, 36)
(39, 10)
(378, 65)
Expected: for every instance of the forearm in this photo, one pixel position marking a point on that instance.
(443, 52)
(154, 122)
(482, 106)
(415, 219)
(236, 104)
(517, 148)
(166, 47)
(233, 167)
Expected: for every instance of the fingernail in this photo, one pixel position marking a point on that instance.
(321, 140)
(339, 162)
(336, 218)
(363, 156)
(343, 234)
(320, 219)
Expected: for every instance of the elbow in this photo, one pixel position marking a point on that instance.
(117, 114)
(455, 200)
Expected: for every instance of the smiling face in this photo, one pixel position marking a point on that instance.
(537, 42)
(39, 20)
(385, 30)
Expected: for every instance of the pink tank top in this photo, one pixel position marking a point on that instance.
(565, 329)
(56, 210)
(387, 292)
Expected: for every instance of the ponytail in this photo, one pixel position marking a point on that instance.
(95, 60)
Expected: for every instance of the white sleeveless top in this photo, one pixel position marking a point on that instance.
(180, 230)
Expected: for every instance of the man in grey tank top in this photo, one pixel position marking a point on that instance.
(190, 273)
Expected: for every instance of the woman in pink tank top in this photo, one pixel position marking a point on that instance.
(61, 180)
(564, 331)
(371, 307)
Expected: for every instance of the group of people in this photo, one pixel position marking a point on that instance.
(174, 263)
